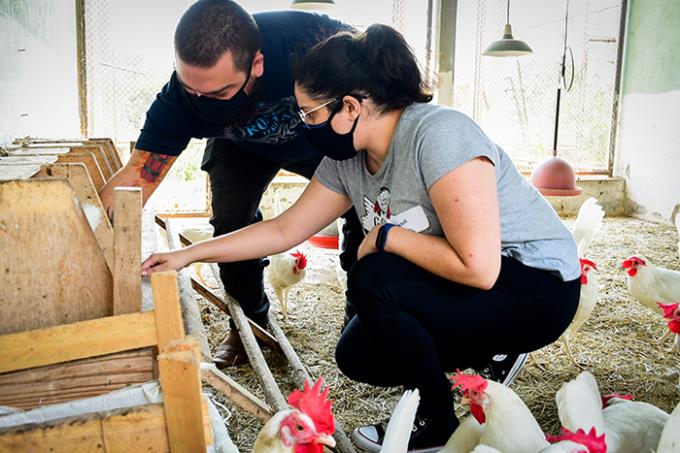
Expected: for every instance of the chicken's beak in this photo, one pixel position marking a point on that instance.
(326, 440)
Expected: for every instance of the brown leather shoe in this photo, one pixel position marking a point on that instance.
(230, 352)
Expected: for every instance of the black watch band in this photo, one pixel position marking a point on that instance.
(381, 238)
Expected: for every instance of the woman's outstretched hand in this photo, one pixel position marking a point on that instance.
(164, 261)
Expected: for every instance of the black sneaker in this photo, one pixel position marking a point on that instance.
(503, 368)
(370, 438)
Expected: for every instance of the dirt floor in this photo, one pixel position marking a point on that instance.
(618, 344)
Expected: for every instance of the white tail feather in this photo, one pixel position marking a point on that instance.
(670, 437)
(588, 224)
(579, 404)
(398, 430)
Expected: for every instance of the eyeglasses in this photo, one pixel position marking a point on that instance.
(303, 115)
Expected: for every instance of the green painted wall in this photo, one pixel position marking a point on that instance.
(652, 54)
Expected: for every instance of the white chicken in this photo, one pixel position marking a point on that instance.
(670, 437)
(286, 270)
(628, 426)
(590, 293)
(588, 224)
(398, 432)
(304, 429)
(502, 420)
(649, 284)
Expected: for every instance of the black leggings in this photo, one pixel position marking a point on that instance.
(412, 326)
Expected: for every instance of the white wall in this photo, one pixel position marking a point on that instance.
(648, 146)
(38, 72)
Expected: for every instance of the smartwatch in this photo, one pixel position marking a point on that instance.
(381, 238)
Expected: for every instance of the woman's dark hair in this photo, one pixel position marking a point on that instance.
(376, 63)
(209, 28)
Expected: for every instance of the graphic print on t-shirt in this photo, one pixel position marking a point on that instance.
(378, 211)
(274, 123)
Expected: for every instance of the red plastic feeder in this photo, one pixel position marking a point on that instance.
(325, 242)
(555, 177)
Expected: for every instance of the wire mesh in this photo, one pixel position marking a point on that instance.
(514, 99)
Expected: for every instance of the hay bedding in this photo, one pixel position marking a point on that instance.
(618, 343)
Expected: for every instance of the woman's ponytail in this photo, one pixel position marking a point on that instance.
(376, 63)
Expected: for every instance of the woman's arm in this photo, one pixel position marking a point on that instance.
(315, 209)
(466, 202)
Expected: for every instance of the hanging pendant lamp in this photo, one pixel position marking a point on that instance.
(507, 46)
(317, 5)
(554, 176)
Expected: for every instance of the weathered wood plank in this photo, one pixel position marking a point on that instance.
(181, 385)
(19, 351)
(127, 250)
(168, 316)
(52, 270)
(130, 430)
(51, 384)
(81, 183)
(90, 162)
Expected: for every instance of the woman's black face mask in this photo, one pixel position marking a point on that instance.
(225, 112)
(325, 140)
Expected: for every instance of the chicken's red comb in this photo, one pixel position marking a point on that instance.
(668, 309)
(315, 403)
(633, 259)
(607, 398)
(593, 442)
(303, 258)
(674, 326)
(587, 262)
(468, 382)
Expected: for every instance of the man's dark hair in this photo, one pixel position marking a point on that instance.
(209, 28)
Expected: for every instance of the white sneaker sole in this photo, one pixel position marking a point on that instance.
(516, 368)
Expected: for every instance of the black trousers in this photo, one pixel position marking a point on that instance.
(237, 181)
(412, 326)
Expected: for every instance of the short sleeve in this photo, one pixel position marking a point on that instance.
(448, 140)
(167, 128)
(328, 174)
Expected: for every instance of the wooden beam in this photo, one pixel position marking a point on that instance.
(127, 250)
(261, 334)
(166, 308)
(271, 389)
(79, 179)
(181, 385)
(191, 314)
(236, 393)
(19, 351)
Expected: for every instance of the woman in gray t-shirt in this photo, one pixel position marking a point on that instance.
(463, 264)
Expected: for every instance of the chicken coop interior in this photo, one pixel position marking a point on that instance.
(98, 356)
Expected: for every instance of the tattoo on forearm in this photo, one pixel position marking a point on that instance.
(153, 167)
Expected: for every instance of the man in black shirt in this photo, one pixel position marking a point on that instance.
(233, 84)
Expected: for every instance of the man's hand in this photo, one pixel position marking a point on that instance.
(368, 244)
(165, 261)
